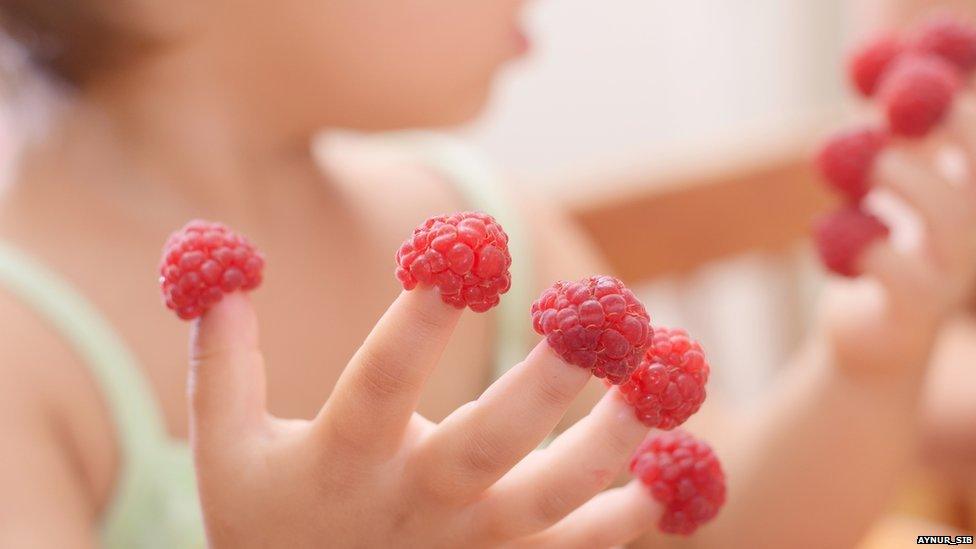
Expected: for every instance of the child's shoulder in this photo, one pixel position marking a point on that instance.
(387, 174)
(41, 378)
(40, 374)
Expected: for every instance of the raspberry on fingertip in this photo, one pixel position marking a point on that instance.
(202, 262)
(949, 37)
(668, 386)
(597, 324)
(464, 256)
(868, 63)
(845, 161)
(842, 237)
(685, 476)
(917, 94)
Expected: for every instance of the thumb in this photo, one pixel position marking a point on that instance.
(226, 386)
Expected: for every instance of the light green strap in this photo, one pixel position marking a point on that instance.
(481, 187)
(140, 431)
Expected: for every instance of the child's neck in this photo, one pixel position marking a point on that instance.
(186, 136)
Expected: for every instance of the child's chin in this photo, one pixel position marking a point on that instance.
(446, 114)
(434, 111)
(466, 109)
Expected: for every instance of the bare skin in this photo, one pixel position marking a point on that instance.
(303, 225)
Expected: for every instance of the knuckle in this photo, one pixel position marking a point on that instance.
(482, 453)
(548, 508)
(338, 440)
(502, 523)
(381, 380)
(436, 489)
(208, 369)
(617, 442)
(550, 393)
(497, 531)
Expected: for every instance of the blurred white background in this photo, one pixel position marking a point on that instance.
(616, 80)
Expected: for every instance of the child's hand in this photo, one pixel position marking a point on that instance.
(369, 472)
(921, 286)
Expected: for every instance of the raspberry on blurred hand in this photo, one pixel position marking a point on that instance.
(203, 261)
(669, 385)
(596, 323)
(917, 94)
(846, 160)
(685, 476)
(464, 255)
(841, 238)
(950, 38)
(868, 64)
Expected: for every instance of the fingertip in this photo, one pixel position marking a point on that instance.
(875, 257)
(424, 308)
(639, 513)
(616, 414)
(231, 323)
(899, 270)
(226, 379)
(544, 356)
(963, 113)
(641, 499)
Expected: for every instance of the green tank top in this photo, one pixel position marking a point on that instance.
(155, 503)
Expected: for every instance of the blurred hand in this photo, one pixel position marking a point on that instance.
(369, 472)
(922, 286)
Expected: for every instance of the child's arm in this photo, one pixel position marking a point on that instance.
(949, 410)
(48, 497)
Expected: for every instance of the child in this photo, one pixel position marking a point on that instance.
(206, 109)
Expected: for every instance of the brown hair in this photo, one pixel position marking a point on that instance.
(71, 39)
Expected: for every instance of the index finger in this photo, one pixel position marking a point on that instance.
(378, 391)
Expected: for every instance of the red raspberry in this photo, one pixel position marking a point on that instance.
(464, 255)
(950, 39)
(669, 385)
(847, 158)
(868, 63)
(843, 236)
(596, 324)
(685, 476)
(203, 261)
(917, 93)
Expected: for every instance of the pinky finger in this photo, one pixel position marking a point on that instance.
(613, 518)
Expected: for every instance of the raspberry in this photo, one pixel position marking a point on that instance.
(596, 323)
(464, 255)
(868, 63)
(203, 261)
(917, 92)
(841, 237)
(685, 476)
(950, 39)
(669, 385)
(847, 158)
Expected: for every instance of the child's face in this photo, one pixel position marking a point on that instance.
(368, 64)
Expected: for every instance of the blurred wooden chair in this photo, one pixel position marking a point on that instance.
(755, 197)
